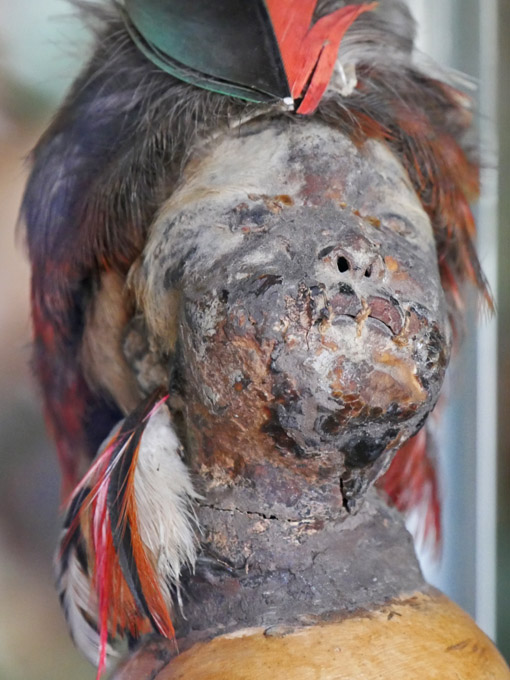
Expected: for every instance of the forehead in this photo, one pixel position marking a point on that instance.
(260, 195)
(309, 164)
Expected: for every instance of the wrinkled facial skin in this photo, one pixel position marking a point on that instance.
(312, 328)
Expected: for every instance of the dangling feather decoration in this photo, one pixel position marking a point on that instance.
(128, 533)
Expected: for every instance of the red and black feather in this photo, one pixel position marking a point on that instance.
(101, 527)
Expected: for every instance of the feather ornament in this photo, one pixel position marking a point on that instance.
(128, 532)
(257, 51)
(411, 484)
(309, 52)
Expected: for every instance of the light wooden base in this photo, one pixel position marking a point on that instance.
(423, 637)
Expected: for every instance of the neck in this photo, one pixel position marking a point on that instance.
(264, 570)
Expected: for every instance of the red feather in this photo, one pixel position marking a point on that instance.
(309, 52)
(411, 483)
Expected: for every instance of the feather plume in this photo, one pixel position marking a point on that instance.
(77, 598)
(128, 533)
(309, 52)
(411, 484)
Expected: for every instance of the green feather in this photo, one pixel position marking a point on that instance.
(227, 46)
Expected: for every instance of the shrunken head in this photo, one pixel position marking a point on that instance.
(240, 301)
(292, 279)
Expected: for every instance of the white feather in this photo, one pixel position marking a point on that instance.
(164, 494)
(80, 608)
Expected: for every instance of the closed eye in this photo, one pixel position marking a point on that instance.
(399, 224)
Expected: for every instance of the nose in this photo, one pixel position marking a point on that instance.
(356, 259)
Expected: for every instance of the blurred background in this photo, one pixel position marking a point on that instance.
(41, 47)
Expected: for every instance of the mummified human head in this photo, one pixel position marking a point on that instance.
(293, 279)
(285, 283)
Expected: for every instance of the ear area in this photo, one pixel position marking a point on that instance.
(159, 306)
(101, 354)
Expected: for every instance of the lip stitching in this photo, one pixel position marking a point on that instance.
(340, 317)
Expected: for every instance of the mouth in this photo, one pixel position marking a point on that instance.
(382, 313)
